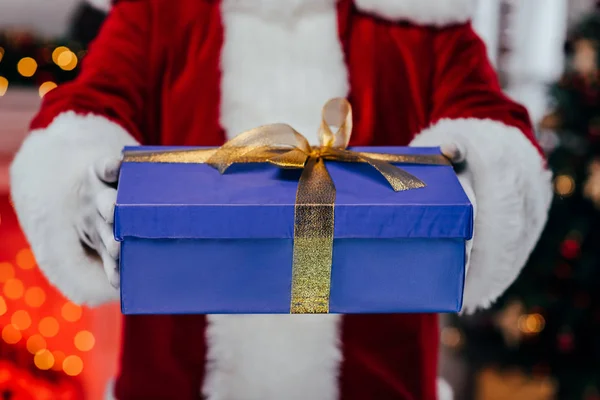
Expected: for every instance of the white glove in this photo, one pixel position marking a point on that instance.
(95, 217)
(457, 155)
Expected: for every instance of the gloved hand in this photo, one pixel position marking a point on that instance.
(457, 155)
(94, 220)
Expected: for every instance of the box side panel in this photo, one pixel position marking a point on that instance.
(254, 276)
(398, 275)
(205, 276)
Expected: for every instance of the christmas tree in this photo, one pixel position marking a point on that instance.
(548, 322)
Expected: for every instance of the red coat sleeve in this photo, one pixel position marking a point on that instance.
(113, 81)
(466, 84)
(505, 175)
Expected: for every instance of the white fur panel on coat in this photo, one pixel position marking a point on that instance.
(45, 178)
(513, 191)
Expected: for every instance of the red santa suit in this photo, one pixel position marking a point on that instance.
(195, 72)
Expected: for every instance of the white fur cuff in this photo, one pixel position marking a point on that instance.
(513, 192)
(45, 178)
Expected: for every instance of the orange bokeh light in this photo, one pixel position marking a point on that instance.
(13, 289)
(21, 320)
(84, 341)
(48, 327)
(35, 344)
(11, 335)
(72, 365)
(71, 312)
(6, 271)
(2, 306)
(35, 297)
(43, 359)
(25, 259)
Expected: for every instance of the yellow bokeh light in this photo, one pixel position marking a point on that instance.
(21, 320)
(57, 52)
(67, 60)
(3, 86)
(531, 323)
(59, 358)
(564, 185)
(48, 327)
(6, 271)
(44, 359)
(35, 297)
(25, 259)
(71, 312)
(35, 344)
(84, 341)
(27, 67)
(47, 87)
(11, 335)
(72, 365)
(2, 306)
(13, 289)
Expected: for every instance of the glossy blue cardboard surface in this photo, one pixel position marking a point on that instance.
(257, 201)
(184, 276)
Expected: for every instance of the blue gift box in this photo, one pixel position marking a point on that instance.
(198, 242)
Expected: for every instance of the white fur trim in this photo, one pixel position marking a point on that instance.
(272, 357)
(250, 357)
(421, 12)
(513, 192)
(284, 63)
(45, 178)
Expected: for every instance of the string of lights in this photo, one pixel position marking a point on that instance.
(28, 61)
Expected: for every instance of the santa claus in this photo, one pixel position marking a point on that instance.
(196, 72)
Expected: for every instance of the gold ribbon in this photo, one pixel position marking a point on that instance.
(281, 145)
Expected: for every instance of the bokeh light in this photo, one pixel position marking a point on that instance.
(3, 86)
(57, 53)
(531, 323)
(72, 365)
(564, 185)
(43, 359)
(7, 271)
(35, 297)
(71, 312)
(84, 341)
(25, 259)
(67, 60)
(13, 289)
(47, 87)
(27, 67)
(36, 343)
(21, 320)
(2, 306)
(1, 53)
(48, 327)
(11, 335)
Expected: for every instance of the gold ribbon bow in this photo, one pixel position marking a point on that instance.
(281, 145)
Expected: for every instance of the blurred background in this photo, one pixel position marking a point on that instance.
(540, 341)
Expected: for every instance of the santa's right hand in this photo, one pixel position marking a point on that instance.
(95, 216)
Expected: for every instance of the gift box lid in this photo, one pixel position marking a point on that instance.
(256, 201)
